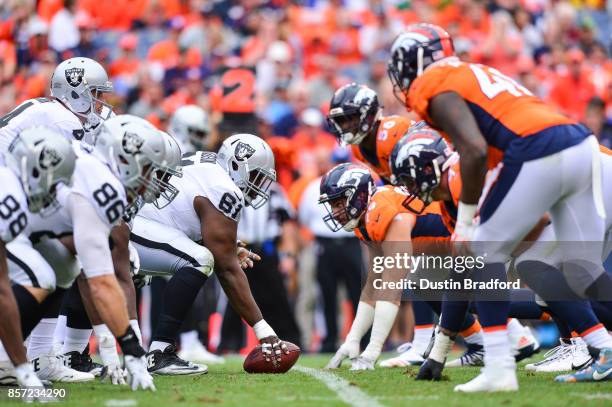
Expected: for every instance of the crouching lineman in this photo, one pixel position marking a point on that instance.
(213, 190)
(378, 217)
(120, 169)
(36, 163)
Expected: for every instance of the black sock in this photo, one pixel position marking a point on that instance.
(74, 309)
(52, 304)
(179, 294)
(30, 310)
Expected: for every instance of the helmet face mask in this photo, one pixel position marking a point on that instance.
(79, 84)
(42, 159)
(417, 162)
(249, 161)
(345, 193)
(173, 169)
(353, 114)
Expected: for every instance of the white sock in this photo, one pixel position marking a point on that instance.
(515, 328)
(496, 347)
(362, 322)
(60, 331)
(421, 339)
(4, 357)
(76, 339)
(189, 339)
(158, 345)
(107, 346)
(136, 327)
(474, 339)
(384, 317)
(441, 347)
(41, 338)
(598, 337)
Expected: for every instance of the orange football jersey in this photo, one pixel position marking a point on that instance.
(390, 130)
(517, 125)
(386, 203)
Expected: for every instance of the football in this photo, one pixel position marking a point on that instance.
(255, 361)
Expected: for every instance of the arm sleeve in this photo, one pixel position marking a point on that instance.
(91, 236)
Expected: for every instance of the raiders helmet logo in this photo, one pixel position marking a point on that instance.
(74, 76)
(132, 142)
(49, 158)
(243, 151)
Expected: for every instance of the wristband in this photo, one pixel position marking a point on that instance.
(466, 213)
(129, 343)
(263, 330)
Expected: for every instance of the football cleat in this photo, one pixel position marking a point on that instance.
(571, 355)
(410, 357)
(168, 363)
(491, 379)
(199, 353)
(52, 368)
(362, 363)
(599, 371)
(7, 374)
(524, 345)
(82, 362)
(473, 356)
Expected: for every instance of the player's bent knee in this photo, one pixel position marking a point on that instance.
(205, 260)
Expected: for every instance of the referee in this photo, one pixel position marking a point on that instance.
(271, 232)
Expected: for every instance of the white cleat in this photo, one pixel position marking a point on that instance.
(411, 357)
(7, 374)
(52, 368)
(491, 379)
(199, 353)
(362, 363)
(524, 345)
(565, 357)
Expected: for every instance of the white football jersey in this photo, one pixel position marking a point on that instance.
(95, 181)
(202, 176)
(39, 112)
(13, 206)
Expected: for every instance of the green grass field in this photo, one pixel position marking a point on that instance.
(228, 385)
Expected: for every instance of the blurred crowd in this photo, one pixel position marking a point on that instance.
(162, 54)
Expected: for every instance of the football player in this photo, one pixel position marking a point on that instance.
(189, 124)
(424, 165)
(356, 118)
(75, 108)
(213, 190)
(129, 152)
(31, 170)
(379, 218)
(545, 162)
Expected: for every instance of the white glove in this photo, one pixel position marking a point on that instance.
(26, 378)
(348, 350)
(115, 373)
(137, 374)
(362, 363)
(134, 259)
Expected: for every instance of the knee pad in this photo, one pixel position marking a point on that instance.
(206, 261)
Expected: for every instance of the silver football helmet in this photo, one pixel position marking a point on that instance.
(42, 159)
(249, 161)
(135, 151)
(189, 124)
(78, 83)
(172, 169)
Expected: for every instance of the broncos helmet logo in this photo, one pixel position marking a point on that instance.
(243, 151)
(132, 143)
(74, 76)
(49, 158)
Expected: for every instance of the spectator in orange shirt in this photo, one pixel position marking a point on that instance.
(573, 88)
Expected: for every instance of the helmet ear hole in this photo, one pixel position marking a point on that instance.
(234, 166)
(74, 95)
(35, 172)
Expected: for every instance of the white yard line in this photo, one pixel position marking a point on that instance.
(346, 392)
